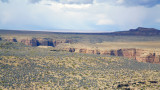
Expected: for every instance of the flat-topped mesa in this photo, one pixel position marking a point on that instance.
(38, 41)
(137, 54)
(140, 31)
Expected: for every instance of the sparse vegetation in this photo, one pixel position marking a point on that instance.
(24, 67)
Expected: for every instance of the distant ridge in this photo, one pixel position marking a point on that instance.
(140, 31)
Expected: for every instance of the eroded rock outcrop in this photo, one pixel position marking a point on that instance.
(132, 53)
(30, 42)
(10, 39)
(56, 42)
(38, 41)
(45, 42)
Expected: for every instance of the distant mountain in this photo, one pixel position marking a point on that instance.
(140, 31)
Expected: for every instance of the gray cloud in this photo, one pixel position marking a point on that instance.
(18, 14)
(5, 1)
(128, 3)
(76, 1)
(35, 1)
(67, 1)
(147, 3)
(131, 3)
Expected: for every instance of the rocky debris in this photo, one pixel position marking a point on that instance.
(129, 85)
(122, 85)
(153, 81)
(142, 82)
(132, 53)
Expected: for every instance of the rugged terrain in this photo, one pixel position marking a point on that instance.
(48, 60)
(38, 41)
(134, 44)
(140, 51)
(25, 67)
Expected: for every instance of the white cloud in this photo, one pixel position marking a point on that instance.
(120, 1)
(65, 1)
(102, 19)
(158, 20)
(105, 22)
(75, 1)
(131, 3)
(20, 14)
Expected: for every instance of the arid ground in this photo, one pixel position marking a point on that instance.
(78, 61)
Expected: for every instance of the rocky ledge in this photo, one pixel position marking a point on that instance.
(140, 55)
(137, 54)
(38, 41)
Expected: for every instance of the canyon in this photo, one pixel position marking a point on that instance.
(135, 51)
(140, 55)
(38, 41)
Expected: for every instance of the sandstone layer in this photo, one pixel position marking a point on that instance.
(38, 41)
(141, 55)
(137, 54)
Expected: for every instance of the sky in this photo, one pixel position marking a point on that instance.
(79, 15)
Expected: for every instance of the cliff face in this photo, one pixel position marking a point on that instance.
(131, 53)
(38, 41)
(11, 39)
(137, 54)
(56, 42)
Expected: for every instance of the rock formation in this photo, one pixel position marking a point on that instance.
(137, 54)
(11, 39)
(45, 42)
(38, 41)
(132, 53)
(30, 42)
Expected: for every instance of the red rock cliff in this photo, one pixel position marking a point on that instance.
(39, 41)
(131, 53)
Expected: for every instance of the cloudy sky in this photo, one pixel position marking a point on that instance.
(79, 15)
